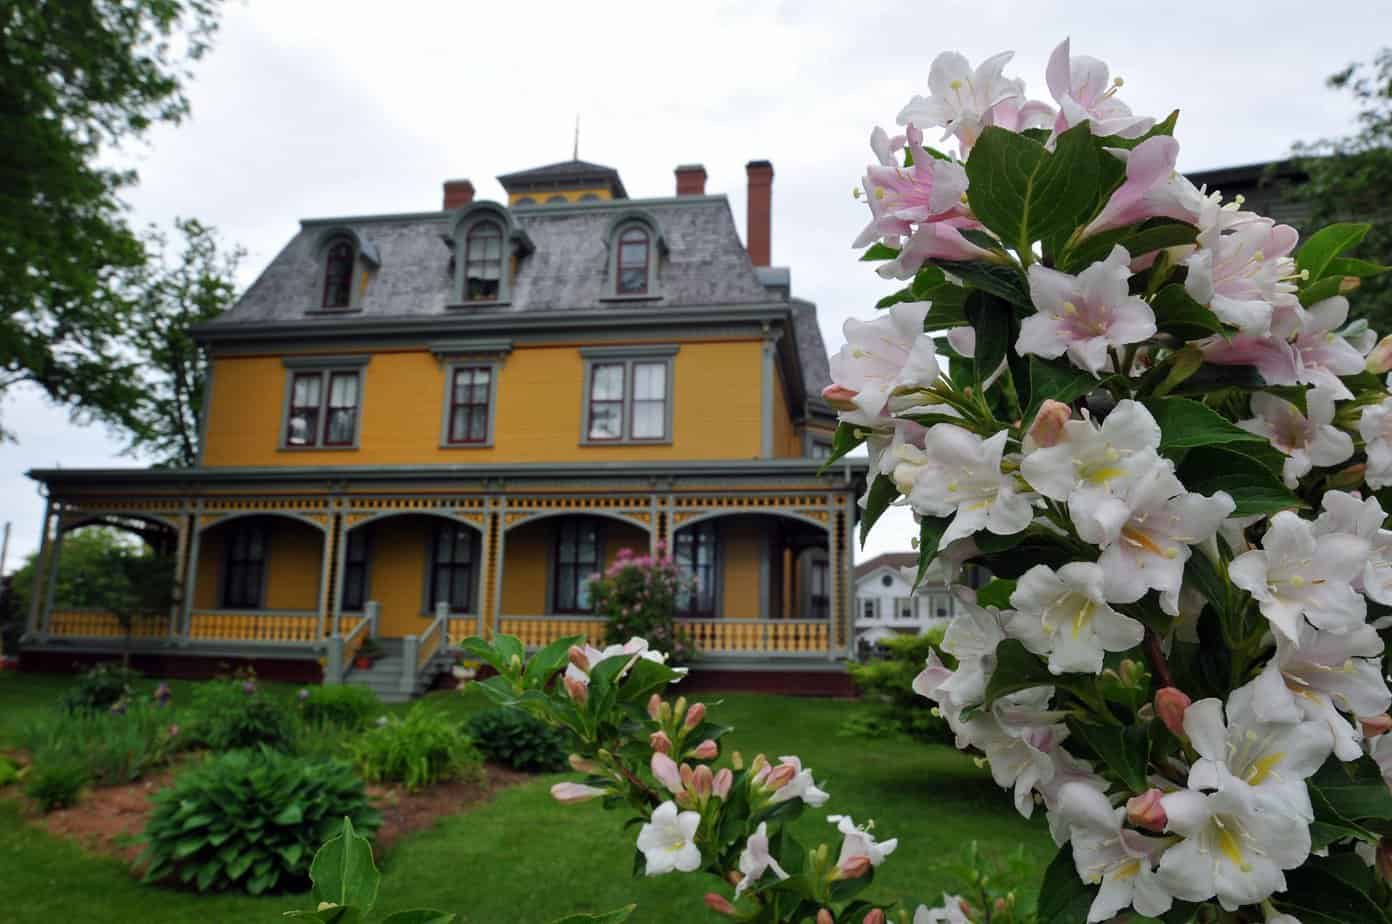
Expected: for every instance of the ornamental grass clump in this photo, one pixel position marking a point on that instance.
(250, 820)
(111, 747)
(343, 706)
(425, 747)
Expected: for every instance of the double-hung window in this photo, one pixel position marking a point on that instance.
(695, 555)
(820, 579)
(628, 395)
(452, 575)
(471, 391)
(245, 570)
(322, 403)
(355, 570)
(577, 560)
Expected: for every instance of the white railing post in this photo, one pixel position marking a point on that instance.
(370, 613)
(333, 662)
(410, 650)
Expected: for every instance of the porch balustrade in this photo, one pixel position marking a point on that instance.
(255, 626)
(92, 623)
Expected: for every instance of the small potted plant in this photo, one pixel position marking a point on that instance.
(369, 652)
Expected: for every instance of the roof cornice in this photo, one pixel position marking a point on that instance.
(530, 211)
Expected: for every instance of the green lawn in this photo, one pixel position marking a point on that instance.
(524, 858)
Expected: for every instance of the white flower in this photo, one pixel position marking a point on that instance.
(1272, 757)
(961, 99)
(1375, 426)
(801, 786)
(634, 646)
(971, 638)
(1294, 575)
(1321, 675)
(1322, 355)
(1084, 315)
(667, 841)
(1091, 467)
(890, 352)
(1305, 441)
(1019, 736)
(859, 842)
(949, 912)
(755, 860)
(963, 478)
(1121, 860)
(1067, 770)
(1085, 92)
(1244, 275)
(1350, 514)
(1149, 549)
(1064, 615)
(1237, 840)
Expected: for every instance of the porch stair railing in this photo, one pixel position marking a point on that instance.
(418, 651)
(342, 649)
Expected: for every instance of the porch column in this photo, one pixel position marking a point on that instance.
(191, 578)
(328, 569)
(37, 617)
(833, 576)
(490, 568)
(493, 619)
(789, 585)
(340, 544)
(186, 526)
(848, 578)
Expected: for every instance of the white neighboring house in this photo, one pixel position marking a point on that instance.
(886, 604)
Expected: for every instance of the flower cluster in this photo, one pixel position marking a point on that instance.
(1143, 409)
(639, 595)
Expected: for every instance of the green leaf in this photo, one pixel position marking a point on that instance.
(421, 916)
(1024, 193)
(608, 917)
(882, 493)
(1355, 790)
(1316, 895)
(1178, 314)
(996, 593)
(1328, 287)
(990, 316)
(1016, 669)
(1320, 249)
(1124, 750)
(1138, 240)
(292, 814)
(1351, 266)
(1063, 897)
(1252, 485)
(847, 438)
(549, 660)
(343, 872)
(1056, 379)
(1186, 424)
(878, 251)
(1001, 280)
(930, 533)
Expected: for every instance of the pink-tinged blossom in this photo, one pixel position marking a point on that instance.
(964, 100)
(1170, 705)
(929, 190)
(857, 841)
(890, 352)
(1063, 615)
(1085, 92)
(951, 911)
(1085, 315)
(1276, 359)
(935, 240)
(755, 860)
(1375, 426)
(1121, 861)
(1297, 576)
(1305, 441)
(1153, 188)
(1323, 355)
(667, 773)
(668, 840)
(962, 477)
(569, 793)
(1244, 276)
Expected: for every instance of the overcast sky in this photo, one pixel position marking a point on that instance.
(316, 108)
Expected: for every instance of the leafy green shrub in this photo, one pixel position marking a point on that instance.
(344, 706)
(57, 783)
(888, 682)
(233, 712)
(418, 750)
(250, 820)
(113, 747)
(100, 687)
(9, 772)
(519, 740)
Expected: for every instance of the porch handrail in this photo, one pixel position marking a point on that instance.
(418, 650)
(344, 648)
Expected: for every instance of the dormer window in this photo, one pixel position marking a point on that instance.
(483, 262)
(339, 260)
(635, 253)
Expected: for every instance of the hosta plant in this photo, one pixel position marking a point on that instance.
(250, 820)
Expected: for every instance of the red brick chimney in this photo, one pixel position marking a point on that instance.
(691, 180)
(757, 232)
(458, 193)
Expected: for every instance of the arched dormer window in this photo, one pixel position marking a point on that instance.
(483, 262)
(340, 258)
(634, 255)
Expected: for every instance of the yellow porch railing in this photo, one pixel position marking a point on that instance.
(757, 636)
(103, 624)
(255, 626)
(537, 631)
(462, 627)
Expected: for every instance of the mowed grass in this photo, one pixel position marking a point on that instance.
(524, 858)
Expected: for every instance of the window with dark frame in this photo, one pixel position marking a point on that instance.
(695, 555)
(469, 402)
(338, 273)
(483, 262)
(245, 571)
(635, 248)
(628, 400)
(577, 560)
(355, 570)
(323, 409)
(868, 608)
(820, 590)
(452, 556)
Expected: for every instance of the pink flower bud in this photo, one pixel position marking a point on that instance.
(654, 707)
(1145, 811)
(854, 867)
(703, 781)
(1170, 704)
(840, 397)
(1000, 906)
(1376, 725)
(665, 769)
(719, 904)
(1349, 477)
(723, 780)
(576, 656)
(780, 776)
(706, 750)
(575, 792)
(694, 715)
(876, 916)
(824, 917)
(1047, 429)
(660, 742)
(578, 691)
(686, 775)
(1380, 359)
(582, 764)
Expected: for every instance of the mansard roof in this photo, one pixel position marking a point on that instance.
(566, 174)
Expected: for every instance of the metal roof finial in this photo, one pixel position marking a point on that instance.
(575, 151)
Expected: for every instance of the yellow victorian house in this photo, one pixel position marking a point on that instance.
(424, 426)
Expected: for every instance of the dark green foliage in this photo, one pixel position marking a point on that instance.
(519, 740)
(112, 747)
(100, 687)
(344, 706)
(250, 820)
(76, 80)
(233, 712)
(420, 749)
(888, 682)
(57, 783)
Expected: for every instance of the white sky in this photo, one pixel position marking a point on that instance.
(326, 107)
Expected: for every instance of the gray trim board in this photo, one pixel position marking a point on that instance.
(479, 347)
(206, 404)
(333, 363)
(637, 350)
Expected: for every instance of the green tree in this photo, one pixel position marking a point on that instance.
(77, 78)
(170, 294)
(1350, 176)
